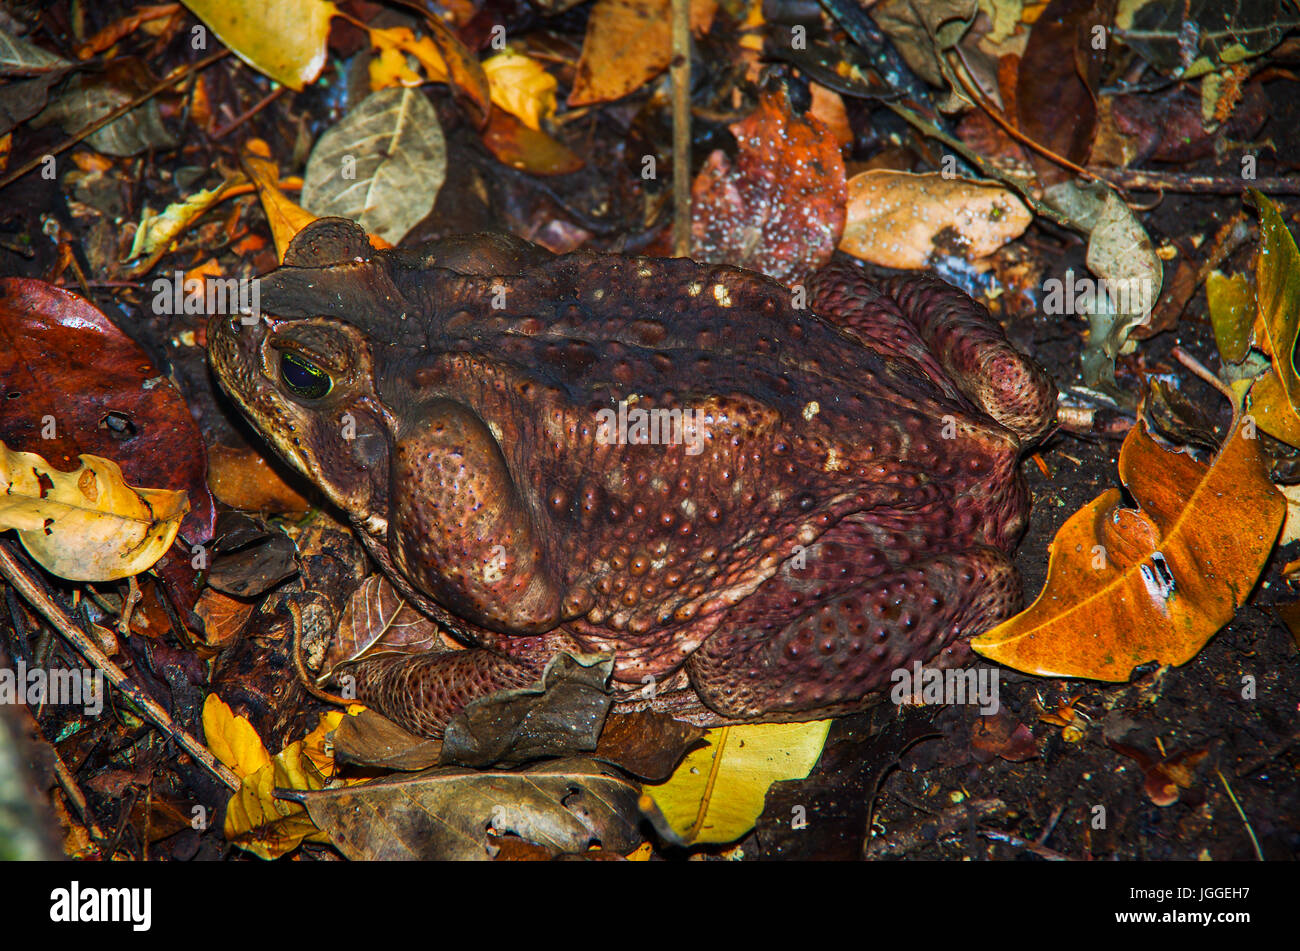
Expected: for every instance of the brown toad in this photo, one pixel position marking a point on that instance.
(761, 509)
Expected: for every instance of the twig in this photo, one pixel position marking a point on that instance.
(110, 117)
(1244, 821)
(14, 573)
(1143, 180)
(247, 114)
(681, 79)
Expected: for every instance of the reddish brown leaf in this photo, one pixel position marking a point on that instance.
(780, 208)
(1059, 73)
(67, 372)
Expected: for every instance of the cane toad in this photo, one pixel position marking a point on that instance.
(762, 509)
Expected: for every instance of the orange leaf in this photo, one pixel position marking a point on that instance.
(628, 43)
(285, 217)
(1127, 586)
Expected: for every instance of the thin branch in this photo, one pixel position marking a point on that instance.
(1143, 180)
(681, 80)
(25, 585)
(110, 117)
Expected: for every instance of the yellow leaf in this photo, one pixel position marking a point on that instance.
(1276, 399)
(285, 217)
(157, 232)
(717, 793)
(521, 87)
(285, 39)
(256, 820)
(390, 68)
(232, 739)
(86, 525)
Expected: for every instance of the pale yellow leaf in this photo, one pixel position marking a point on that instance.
(717, 793)
(86, 525)
(285, 39)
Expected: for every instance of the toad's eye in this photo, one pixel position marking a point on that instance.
(303, 377)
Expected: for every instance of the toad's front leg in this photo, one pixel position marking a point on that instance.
(459, 530)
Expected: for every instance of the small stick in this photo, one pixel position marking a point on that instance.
(1143, 180)
(110, 117)
(14, 573)
(1244, 821)
(681, 79)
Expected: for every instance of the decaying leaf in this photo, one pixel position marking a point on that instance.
(560, 715)
(1057, 81)
(1128, 586)
(86, 525)
(646, 745)
(717, 793)
(369, 739)
(74, 383)
(528, 150)
(566, 806)
(382, 166)
(378, 619)
(1190, 38)
(1128, 271)
(903, 220)
(85, 99)
(285, 39)
(915, 29)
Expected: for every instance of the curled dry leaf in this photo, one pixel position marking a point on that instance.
(86, 525)
(285, 39)
(902, 219)
(718, 791)
(566, 806)
(1127, 586)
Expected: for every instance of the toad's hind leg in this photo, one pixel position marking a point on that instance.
(853, 636)
(947, 334)
(422, 692)
(974, 350)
